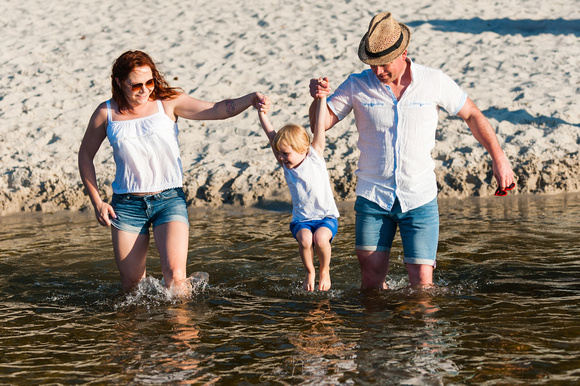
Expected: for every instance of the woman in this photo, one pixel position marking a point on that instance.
(140, 121)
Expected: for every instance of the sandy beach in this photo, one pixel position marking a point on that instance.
(517, 60)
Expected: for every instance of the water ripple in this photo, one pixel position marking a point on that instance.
(504, 308)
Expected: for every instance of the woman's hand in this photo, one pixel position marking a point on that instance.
(104, 212)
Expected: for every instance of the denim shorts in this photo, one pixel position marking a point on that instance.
(328, 222)
(136, 214)
(375, 229)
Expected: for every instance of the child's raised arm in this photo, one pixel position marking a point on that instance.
(319, 132)
(266, 125)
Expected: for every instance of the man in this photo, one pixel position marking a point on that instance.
(396, 104)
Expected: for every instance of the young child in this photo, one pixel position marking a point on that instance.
(314, 214)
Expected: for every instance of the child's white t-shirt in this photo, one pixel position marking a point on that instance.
(312, 197)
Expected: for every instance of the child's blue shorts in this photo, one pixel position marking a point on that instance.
(328, 222)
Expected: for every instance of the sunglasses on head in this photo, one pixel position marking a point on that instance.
(503, 192)
(138, 86)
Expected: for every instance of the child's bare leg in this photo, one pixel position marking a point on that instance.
(322, 238)
(304, 237)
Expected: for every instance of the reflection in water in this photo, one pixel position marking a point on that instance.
(322, 356)
(505, 308)
(158, 339)
(160, 346)
(405, 340)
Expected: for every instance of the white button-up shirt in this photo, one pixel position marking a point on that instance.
(396, 137)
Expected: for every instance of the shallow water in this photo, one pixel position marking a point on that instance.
(505, 310)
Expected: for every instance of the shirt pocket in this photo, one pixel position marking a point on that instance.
(374, 114)
(416, 128)
(418, 119)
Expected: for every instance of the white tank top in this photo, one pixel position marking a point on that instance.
(146, 153)
(312, 197)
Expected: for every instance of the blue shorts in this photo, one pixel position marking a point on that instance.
(375, 229)
(328, 222)
(135, 214)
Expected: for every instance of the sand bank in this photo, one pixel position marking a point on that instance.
(518, 60)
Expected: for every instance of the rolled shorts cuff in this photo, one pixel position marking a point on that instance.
(173, 217)
(372, 248)
(144, 229)
(431, 262)
(128, 227)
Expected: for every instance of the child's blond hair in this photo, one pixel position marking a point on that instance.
(294, 136)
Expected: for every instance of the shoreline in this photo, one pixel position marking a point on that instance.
(51, 193)
(499, 204)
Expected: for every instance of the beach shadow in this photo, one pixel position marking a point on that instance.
(524, 27)
(274, 205)
(522, 117)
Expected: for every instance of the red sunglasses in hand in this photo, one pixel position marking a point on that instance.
(503, 192)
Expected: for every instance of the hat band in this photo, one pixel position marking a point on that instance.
(387, 51)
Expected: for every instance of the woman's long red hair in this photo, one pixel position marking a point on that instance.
(126, 63)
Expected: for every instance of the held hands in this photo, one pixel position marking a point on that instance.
(261, 103)
(319, 88)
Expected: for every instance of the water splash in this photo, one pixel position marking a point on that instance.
(153, 292)
(197, 282)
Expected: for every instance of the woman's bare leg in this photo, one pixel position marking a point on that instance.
(130, 255)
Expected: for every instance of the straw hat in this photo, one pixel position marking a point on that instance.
(385, 40)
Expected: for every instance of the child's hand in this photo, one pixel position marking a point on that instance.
(262, 103)
(265, 105)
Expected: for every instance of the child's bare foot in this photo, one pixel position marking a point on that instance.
(324, 281)
(308, 284)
